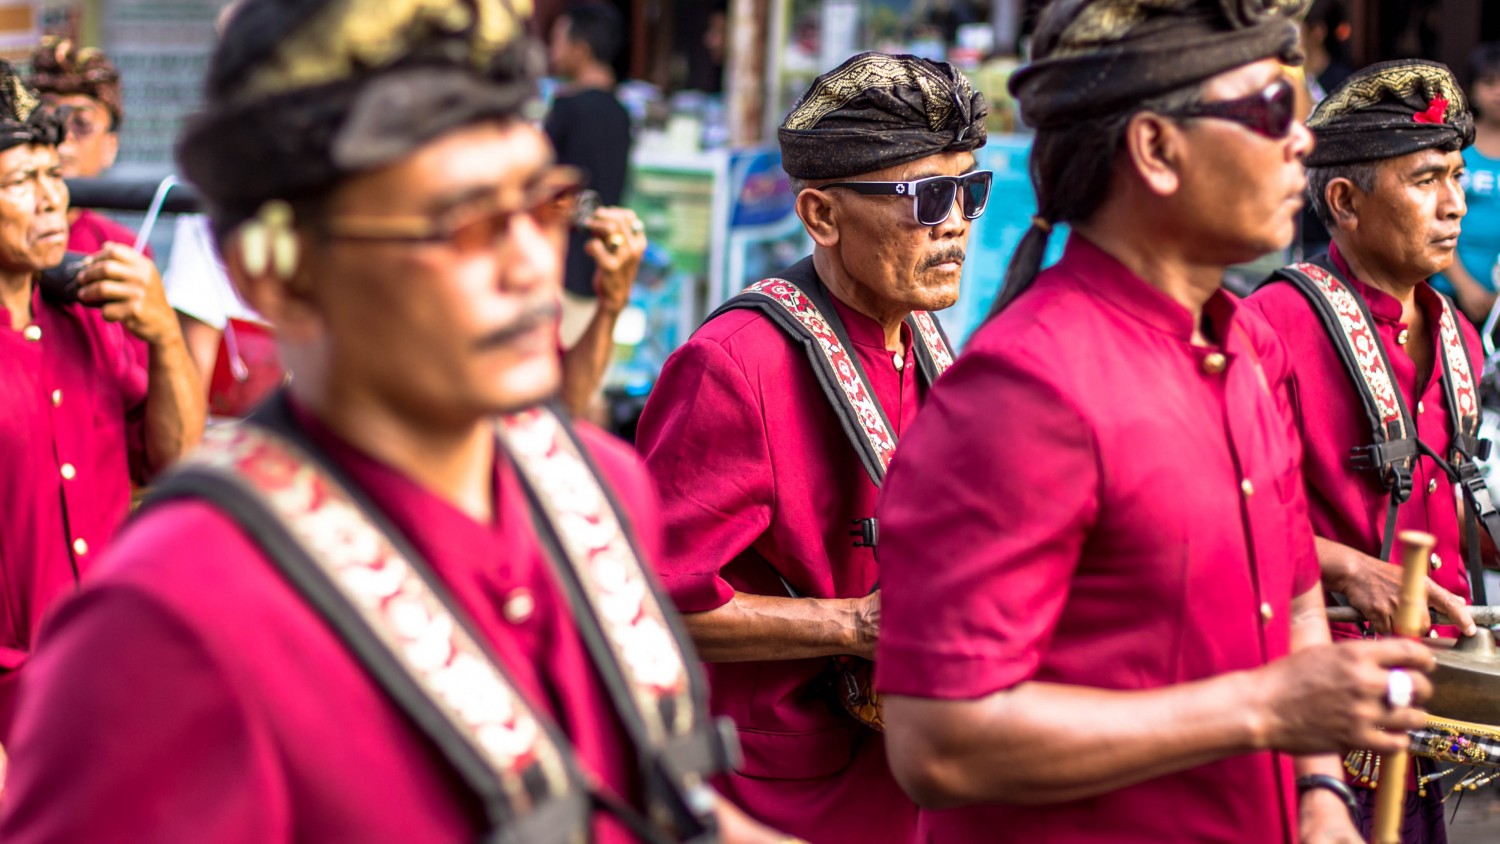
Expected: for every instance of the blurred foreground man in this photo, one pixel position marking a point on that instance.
(1103, 620)
(770, 430)
(1384, 179)
(96, 387)
(404, 603)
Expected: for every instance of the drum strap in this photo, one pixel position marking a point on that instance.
(396, 617)
(1394, 443)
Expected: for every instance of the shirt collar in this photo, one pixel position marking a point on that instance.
(1105, 276)
(1383, 306)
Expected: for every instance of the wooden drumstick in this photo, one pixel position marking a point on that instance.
(1390, 794)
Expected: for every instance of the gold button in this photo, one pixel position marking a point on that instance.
(1213, 363)
(519, 606)
(80, 547)
(1421, 408)
(57, 398)
(1432, 634)
(898, 361)
(68, 472)
(1432, 485)
(1266, 613)
(1437, 562)
(1403, 337)
(32, 333)
(1247, 488)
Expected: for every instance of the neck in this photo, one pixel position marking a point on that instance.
(453, 461)
(594, 75)
(1404, 289)
(1165, 263)
(15, 297)
(859, 298)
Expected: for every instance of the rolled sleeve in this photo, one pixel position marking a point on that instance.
(983, 518)
(703, 438)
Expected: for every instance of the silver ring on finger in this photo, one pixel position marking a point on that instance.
(1398, 689)
(637, 226)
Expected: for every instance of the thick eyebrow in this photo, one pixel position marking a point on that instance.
(927, 174)
(486, 193)
(1429, 170)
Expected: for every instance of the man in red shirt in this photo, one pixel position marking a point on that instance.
(1102, 618)
(83, 87)
(769, 502)
(402, 603)
(96, 388)
(1384, 179)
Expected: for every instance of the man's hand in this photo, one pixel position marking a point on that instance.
(866, 625)
(617, 246)
(127, 289)
(1373, 587)
(1331, 698)
(735, 827)
(1324, 819)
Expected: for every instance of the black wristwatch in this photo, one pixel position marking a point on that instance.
(1333, 784)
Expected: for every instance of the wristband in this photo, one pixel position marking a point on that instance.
(1333, 784)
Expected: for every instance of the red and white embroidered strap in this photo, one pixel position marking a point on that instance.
(871, 420)
(927, 332)
(1366, 346)
(1464, 395)
(614, 580)
(394, 601)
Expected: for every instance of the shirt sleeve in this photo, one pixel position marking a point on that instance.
(983, 518)
(121, 706)
(704, 441)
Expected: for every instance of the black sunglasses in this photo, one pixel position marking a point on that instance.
(933, 197)
(1270, 112)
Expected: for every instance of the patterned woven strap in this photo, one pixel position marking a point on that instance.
(873, 426)
(931, 337)
(390, 614)
(612, 580)
(1458, 374)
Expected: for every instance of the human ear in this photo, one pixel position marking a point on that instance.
(1154, 147)
(819, 213)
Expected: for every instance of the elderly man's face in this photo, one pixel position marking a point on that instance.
(89, 147)
(885, 249)
(1240, 191)
(33, 209)
(461, 326)
(1408, 226)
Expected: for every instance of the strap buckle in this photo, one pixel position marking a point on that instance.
(1391, 461)
(1474, 485)
(866, 532)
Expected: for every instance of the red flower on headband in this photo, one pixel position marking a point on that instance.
(1436, 111)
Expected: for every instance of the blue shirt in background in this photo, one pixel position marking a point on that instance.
(1480, 242)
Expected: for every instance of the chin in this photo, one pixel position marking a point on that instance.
(526, 385)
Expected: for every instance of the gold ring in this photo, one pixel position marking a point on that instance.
(615, 241)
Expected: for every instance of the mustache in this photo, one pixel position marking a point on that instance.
(533, 317)
(954, 255)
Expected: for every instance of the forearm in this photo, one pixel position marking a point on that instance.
(585, 363)
(754, 628)
(1336, 561)
(1044, 743)
(175, 403)
(1473, 297)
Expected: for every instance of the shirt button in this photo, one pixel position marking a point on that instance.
(1432, 486)
(32, 333)
(1421, 408)
(898, 361)
(1266, 613)
(57, 398)
(1403, 337)
(1247, 488)
(1213, 363)
(68, 471)
(519, 605)
(80, 547)
(1437, 562)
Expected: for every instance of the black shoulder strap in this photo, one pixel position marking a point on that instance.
(545, 809)
(799, 307)
(1347, 319)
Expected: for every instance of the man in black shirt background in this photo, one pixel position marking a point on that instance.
(591, 131)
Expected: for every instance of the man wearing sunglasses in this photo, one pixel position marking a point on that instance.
(1103, 619)
(1385, 181)
(769, 431)
(405, 601)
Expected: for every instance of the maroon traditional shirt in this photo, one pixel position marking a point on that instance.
(758, 480)
(91, 230)
(1090, 499)
(1349, 506)
(189, 694)
(72, 410)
